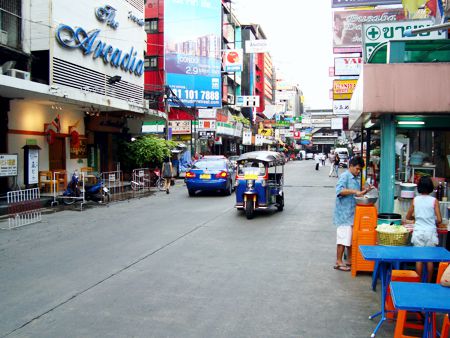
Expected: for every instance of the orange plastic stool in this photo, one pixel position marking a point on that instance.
(398, 276)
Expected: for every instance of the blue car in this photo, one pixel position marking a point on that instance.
(211, 174)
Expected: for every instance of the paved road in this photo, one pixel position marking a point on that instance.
(174, 266)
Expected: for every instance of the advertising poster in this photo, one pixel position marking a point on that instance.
(193, 57)
(80, 151)
(8, 165)
(347, 25)
(232, 60)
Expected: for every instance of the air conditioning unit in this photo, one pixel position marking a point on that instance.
(3, 37)
(20, 74)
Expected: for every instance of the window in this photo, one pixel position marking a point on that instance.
(11, 23)
(151, 62)
(151, 25)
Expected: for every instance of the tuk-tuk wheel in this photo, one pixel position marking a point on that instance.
(280, 202)
(249, 210)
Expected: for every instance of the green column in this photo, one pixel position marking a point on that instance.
(387, 165)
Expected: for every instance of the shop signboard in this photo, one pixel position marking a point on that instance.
(180, 127)
(233, 60)
(337, 123)
(247, 137)
(80, 150)
(343, 89)
(193, 56)
(93, 37)
(259, 139)
(206, 134)
(376, 33)
(347, 25)
(357, 3)
(297, 135)
(256, 46)
(347, 66)
(153, 127)
(247, 101)
(207, 125)
(8, 165)
(341, 107)
(207, 113)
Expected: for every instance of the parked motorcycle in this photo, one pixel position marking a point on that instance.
(94, 192)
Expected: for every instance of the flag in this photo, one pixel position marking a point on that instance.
(412, 6)
(431, 7)
(57, 123)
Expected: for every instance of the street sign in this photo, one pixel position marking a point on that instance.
(247, 101)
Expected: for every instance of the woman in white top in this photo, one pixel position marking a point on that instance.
(425, 209)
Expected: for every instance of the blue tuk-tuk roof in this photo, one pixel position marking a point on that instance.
(263, 156)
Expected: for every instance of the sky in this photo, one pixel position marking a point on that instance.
(300, 36)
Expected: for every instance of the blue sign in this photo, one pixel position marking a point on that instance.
(192, 40)
(356, 3)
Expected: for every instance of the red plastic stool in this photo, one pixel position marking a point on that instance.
(398, 276)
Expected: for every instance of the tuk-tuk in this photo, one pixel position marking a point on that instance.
(259, 181)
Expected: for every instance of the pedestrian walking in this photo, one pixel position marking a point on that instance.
(167, 173)
(347, 187)
(425, 212)
(317, 160)
(323, 158)
(335, 166)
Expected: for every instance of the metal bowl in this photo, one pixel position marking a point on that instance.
(366, 200)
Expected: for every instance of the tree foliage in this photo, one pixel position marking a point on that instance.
(148, 150)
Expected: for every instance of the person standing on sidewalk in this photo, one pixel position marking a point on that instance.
(347, 187)
(167, 173)
(335, 165)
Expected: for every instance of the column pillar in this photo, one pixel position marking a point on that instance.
(387, 165)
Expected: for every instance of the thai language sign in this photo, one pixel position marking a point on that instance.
(347, 25)
(8, 165)
(356, 3)
(343, 89)
(193, 57)
(347, 66)
(374, 34)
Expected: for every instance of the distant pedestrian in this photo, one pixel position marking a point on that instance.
(323, 158)
(335, 166)
(317, 160)
(331, 157)
(167, 173)
(347, 187)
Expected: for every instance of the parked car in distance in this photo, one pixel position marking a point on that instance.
(310, 156)
(211, 174)
(343, 156)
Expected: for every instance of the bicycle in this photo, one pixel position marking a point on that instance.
(146, 180)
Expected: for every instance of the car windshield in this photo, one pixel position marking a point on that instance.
(252, 167)
(209, 164)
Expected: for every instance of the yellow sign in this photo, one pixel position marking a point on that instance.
(343, 89)
(265, 132)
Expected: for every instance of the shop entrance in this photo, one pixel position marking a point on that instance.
(57, 154)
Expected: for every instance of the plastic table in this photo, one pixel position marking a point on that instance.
(386, 256)
(424, 297)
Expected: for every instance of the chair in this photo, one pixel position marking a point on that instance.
(61, 178)
(398, 276)
(46, 181)
(401, 318)
(88, 174)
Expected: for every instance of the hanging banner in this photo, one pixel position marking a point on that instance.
(193, 56)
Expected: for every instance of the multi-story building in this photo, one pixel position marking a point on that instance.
(71, 82)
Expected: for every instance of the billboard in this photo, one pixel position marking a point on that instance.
(347, 25)
(356, 3)
(192, 42)
(232, 60)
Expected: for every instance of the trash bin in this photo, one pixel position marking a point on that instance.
(389, 219)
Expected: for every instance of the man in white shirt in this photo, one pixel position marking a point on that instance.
(317, 160)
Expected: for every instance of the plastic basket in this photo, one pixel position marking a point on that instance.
(388, 238)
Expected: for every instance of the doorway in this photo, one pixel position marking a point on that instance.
(57, 154)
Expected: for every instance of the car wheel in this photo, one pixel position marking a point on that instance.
(191, 193)
(229, 189)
